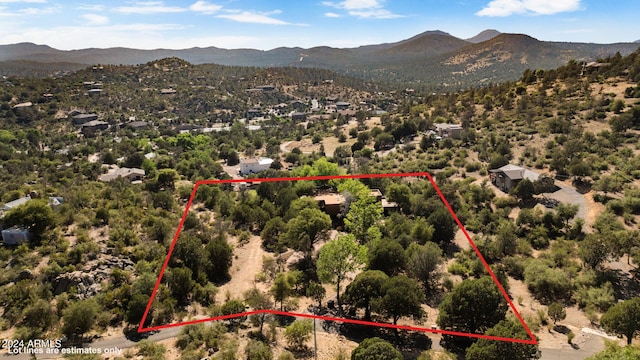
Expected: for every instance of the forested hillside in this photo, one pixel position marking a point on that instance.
(565, 245)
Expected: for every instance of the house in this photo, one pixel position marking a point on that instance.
(449, 130)
(131, 174)
(95, 92)
(16, 236)
(341, 105)
(254, 113)
(253, 165)
(79, 118)
(332, 204)
(298, 116)
(138, 125)
(167, 91)
(23, 105)
(508, 176)
(91, 127)
(15, 203)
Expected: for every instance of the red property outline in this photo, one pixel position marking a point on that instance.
(141, 328)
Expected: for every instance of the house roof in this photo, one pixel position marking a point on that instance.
(85, 116)
(448, 127)
(93, 123)
(515, 172)
(15, 203)
(331, 199)
(121, 172)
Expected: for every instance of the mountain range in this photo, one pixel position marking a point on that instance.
(432, 58)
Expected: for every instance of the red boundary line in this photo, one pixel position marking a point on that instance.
(532, 339)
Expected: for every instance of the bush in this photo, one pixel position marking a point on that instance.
(298, 333)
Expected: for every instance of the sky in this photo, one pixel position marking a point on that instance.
(264, 25)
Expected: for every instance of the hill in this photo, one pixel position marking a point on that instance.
(433, 59)
(484, 36)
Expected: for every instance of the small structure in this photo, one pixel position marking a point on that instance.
(131, 174)
(16, 236)
(508, 176)
(94, 92)
(341, 105)
(449, 130)
(23, 105)
(79, 119)
(167, 91)
(138, 125)
(252, 166)
(91, 127)
(332, 203)
(298, 116)
(15, 203)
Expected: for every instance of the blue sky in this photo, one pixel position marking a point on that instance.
(174, 24)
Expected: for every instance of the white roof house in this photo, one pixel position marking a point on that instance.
(254, 165)
(15, 203)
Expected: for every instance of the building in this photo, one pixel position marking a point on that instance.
(508, 176)
(167, 91)
(449, 130)
(93, 92)
(131, 174)
(16, 236)
(15, 203)
(253, 165)
(91, 127)
(298, 116)
(332, 204)
(341, 105)
(79, 118)
(138, 125)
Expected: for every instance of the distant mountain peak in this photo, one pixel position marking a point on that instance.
(484, 36)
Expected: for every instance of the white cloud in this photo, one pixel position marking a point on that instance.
(149, 7)
(95, 19)
(254, 17)
(23, 1)
(365, 9)
(91, 7)
(204, 7)
(138, 36)
(536, 7)
(332, 15)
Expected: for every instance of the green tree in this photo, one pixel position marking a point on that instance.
(257, 350)
(556, 312)
(281, 289)
(35, 215)
(232, 307)
(387, 255)
(316, 291)
(39, 317)
(135, 309)
(272, 232)
(366, 287)
(623, 319)
(180, 283)
(167, 178)
(473, 306)
(402, 297)
(615, 352)
(298, 333)
(304, 230)
(423, 263)
(79, 318)
(444, 226)
(338, 258)
(363, 214)
(524, 190)
(375, 349)
(220, 258)
(511, 328)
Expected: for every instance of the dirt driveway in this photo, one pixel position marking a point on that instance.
(569, 195)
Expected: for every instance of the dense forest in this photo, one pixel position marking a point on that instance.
(93, 258)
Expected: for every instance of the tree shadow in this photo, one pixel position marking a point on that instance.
(582, 186)
(626, 286)
(132, 334)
